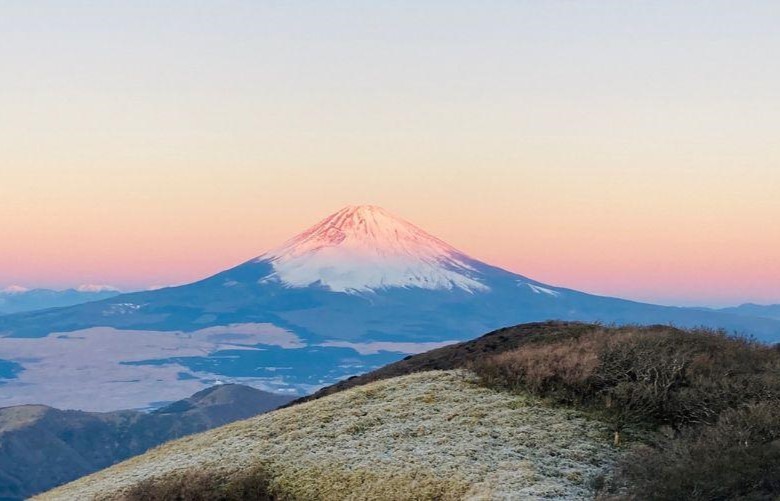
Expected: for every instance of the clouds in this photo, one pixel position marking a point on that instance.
(104, 368)
(90, 369)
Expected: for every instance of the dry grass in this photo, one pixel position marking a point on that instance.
(259, 483)
(434, 435)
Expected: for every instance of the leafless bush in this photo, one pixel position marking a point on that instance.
(718, 396)
(642, 375)
(196, 485)
(736, 458)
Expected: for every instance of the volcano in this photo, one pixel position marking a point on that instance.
(360, 289)
(365, 248)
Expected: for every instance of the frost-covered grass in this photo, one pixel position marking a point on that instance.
(422, 436)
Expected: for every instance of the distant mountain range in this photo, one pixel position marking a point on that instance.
(42, 447)
(16, 299)
(360, 289)
(755, 310)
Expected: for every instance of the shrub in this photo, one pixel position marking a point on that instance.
(717, 396)
(641, 375)
(193, 485)
(737, 458)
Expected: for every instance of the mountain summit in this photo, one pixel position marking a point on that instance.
(365, 247)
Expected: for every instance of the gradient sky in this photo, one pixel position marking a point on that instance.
(620, 147)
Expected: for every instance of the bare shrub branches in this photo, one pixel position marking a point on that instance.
(717, 396)
(736, 458)
(641, 375)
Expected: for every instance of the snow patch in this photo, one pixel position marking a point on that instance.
(121, 309)
(96, 288)
(543, 290)
(364, 248)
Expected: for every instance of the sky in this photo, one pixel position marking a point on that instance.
(624, 148)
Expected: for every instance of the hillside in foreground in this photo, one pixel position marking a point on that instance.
(555, 410)
(425, 436)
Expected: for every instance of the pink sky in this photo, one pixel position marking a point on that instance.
(694, 261)
(596, 145)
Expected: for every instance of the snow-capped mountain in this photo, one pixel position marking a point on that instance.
(96, 288)
(365, 248)
(357, 290)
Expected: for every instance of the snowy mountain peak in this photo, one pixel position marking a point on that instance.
(365, 247)
(96, 288)
(365, 228)
(14, 289)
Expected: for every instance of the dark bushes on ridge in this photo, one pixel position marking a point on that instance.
(737, 458)
(641, 375)
(717, 396)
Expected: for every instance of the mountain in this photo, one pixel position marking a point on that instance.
(366, 249)
(15, 299)
(755, 310)
(42, 447)
(360, 289)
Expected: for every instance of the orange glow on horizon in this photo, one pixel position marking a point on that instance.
(592, 145)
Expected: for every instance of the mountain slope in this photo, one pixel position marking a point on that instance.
(15, 299)
(433, 435)
(358, 290)
(41, 447)
(460, 355)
